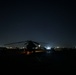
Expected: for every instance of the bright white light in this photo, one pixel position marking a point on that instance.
(48, 48)
(39, 45)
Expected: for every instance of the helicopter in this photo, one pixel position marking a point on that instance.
(31, 46)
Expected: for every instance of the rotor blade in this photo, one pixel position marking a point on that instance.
(40, 43)
(15, 43)
(36, 43)
(43, 42)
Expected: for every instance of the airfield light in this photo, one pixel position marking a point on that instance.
(36, 47)
(39, 45)
(23, 47)
(57, 47)
(7, 47)
(48, 47)
(10, 47)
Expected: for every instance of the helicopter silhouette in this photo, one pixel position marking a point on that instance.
(31, 46)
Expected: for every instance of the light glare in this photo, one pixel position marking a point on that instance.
(48, 48)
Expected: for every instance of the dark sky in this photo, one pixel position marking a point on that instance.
(44, 21)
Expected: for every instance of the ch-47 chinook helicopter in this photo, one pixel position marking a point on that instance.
(31, 46)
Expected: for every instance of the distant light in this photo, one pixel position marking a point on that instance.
(36, 47)
(57, 47)
(39, 45)
(11, 47)
(7, 47)
(48, 48)
(23, 47)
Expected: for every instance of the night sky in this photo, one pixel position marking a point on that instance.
(53, 22)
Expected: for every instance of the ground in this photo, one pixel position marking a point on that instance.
(49, 61)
